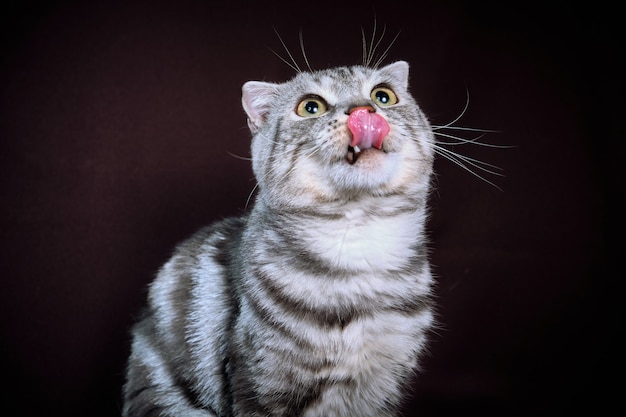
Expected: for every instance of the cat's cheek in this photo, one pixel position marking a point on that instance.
(306, 184)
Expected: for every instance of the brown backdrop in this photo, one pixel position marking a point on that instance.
(118, 126)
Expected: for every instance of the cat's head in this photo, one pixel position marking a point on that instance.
(338, 134)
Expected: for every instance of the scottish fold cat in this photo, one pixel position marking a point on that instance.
(318, 302)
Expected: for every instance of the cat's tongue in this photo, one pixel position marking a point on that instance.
(368, 129)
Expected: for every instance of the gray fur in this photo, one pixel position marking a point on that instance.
(318, 302)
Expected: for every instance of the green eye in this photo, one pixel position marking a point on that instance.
(384, 96)
(311, 106)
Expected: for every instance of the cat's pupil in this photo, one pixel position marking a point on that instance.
(382, 97)
(311, 107)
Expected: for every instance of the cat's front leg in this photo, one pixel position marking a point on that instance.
(151, 388)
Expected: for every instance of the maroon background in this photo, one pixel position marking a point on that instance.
(117, 125)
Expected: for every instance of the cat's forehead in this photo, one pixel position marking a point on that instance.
(335, 81)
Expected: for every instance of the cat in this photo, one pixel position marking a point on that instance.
(318, 302)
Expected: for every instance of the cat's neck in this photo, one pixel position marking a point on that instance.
(361, 236)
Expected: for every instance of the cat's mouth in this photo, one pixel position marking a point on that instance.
(368, 131)
(353, 154)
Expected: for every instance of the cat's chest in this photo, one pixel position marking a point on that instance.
(364, 242)
(371, 345)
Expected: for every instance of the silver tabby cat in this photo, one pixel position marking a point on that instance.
(318, 302)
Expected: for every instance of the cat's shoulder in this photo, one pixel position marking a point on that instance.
(217, 236)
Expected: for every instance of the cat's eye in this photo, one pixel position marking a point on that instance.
(384, 96)
(311, 106)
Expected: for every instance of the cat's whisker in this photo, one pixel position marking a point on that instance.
(295, 68)
(456, 140)
(251, 194)
(386, 51)
(294, 65)
(471, 161)
(306, 60)
(364, 46)
(470, 129)
(474, 141)
(449, 124)
(460, 164)
(469, 164)
(369, 53)
(463, 162)
(373, 46)
(243, 158)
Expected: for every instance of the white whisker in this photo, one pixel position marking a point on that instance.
(296, 69)
(369, 53)
(295, 65)
(364, 45)
(469, 164)
(375, 47)
(461, 162)
(471, 129)
(460, 115)
(243, 158)
(463, 141)
(386, 51)
(306, 60)
(459, 141)
(251, 194)
(471, 161)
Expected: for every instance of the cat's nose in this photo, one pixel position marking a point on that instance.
(352, 108)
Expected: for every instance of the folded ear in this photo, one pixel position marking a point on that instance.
(398, 71)
(257, 98)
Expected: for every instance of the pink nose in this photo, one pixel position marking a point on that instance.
(368, 128)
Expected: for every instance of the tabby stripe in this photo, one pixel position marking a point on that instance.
(271, 160)
(417, 262)
(323, 385)
(411, 306)
(265, 315)
(310, 213)
(296, 154)
(325, 318)
(305, 362)
(305, 260)
(336, 316)
(138, 392)
(154, 411)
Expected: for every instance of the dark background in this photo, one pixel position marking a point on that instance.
(118, 123)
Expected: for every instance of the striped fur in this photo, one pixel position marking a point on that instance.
(318, 302)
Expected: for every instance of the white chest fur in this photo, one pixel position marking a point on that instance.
(364, 242)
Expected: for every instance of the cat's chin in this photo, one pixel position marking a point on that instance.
(371, 171)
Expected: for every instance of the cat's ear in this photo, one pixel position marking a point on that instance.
(257, 98)
(399, 72)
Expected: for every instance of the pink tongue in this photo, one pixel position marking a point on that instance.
(368, 129)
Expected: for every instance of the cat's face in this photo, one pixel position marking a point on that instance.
(338, 134)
